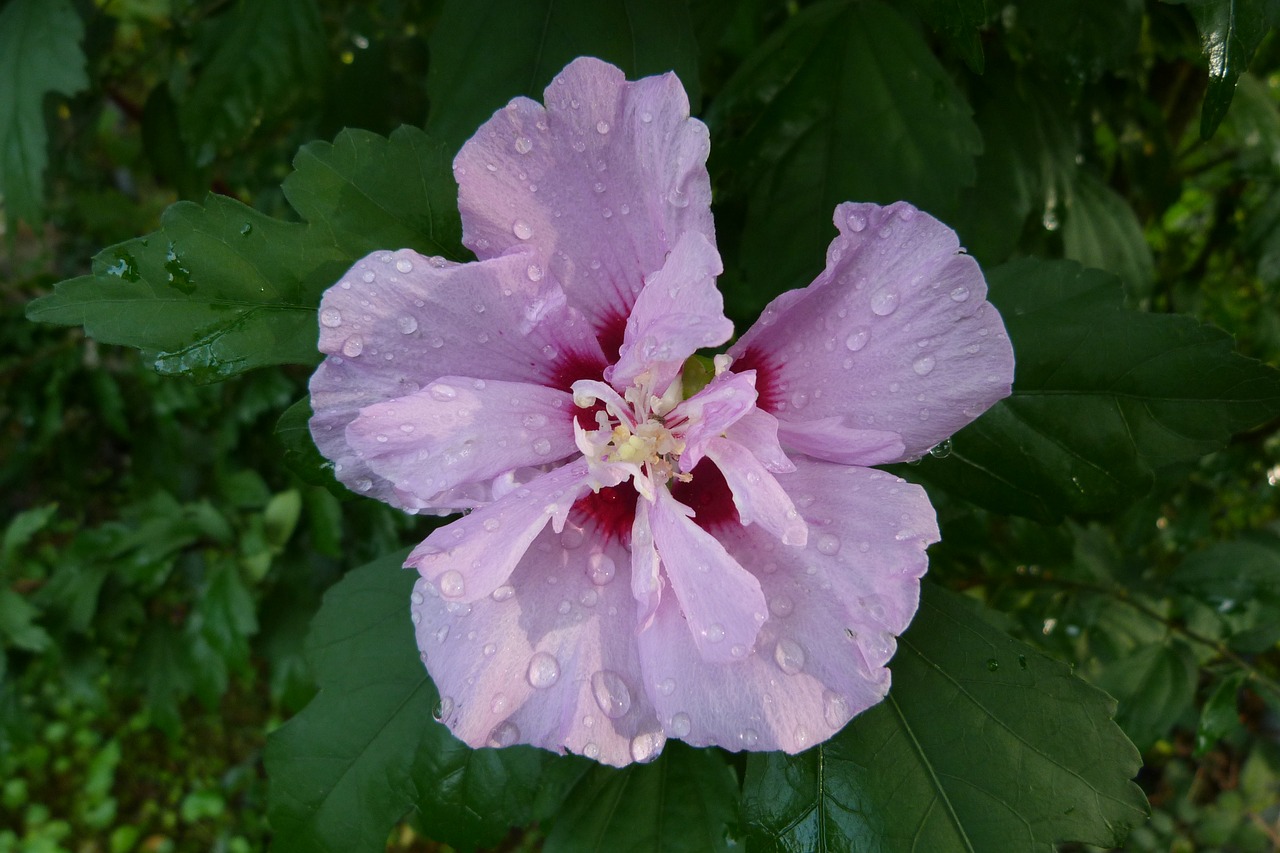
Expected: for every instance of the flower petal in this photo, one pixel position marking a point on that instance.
(832, 439)
(602, 183)
(758, 430)
(548, 659)
(397, 321)
(834, 611)
(678, 312)
(646, 577)
(458, 431)
(896, 331)
(725, 400)
(756, 493)
(471, 557)
(722, 604)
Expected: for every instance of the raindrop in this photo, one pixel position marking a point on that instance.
(544, 670)
(681, 725)
(646, 117)
(564, 607)
(404, 265)
(534, 421)
(443, 393)
(602, 127)
(611, 693)
(749, 737)
(835, 710)
(246, 229)
(789, 656)
(884, 303)
(490, 649)
(942, 449)
(443, 709)
(542, 447)
(492, 524)
(667, 686)
(442, 633)
(452, 584)
(436, 343)
(781, 606)
(591, 751)
(799, 399)
(960, 294)
(589, 598)
(828, 543)
(992, 664)
(923, 365)
(331, 317)
(353, 347)
(600, 568)
(534, 272)
(368, 277)
(521, 229)
(857, 222)
(677, 198)
(599, 187)
(713, 633)
(503, 592)
(646, 747)
(523, 145)
(408, 325)
(504, 734)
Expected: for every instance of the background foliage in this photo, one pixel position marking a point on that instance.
(170, 533)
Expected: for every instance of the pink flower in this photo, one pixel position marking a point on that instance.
(639, 562)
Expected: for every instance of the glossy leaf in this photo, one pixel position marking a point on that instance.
(1230, 32)
(366, 750)
(300, 452)
(1221, 713)
(1229, 575)
(222, 288)
(1082, 38)
(983, 744)
(1100, 230)
(265, 55)
(1103, 397)
(39, 54)
(485, 52)
(958, 21)
(845, 103)
(687, 800)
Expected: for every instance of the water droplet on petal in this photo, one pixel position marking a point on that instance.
(829, 544)
(452, 584)
(713, 633)
(884, 303)
(404, 265)
(667, 686)
(600, 568)
(504, 734)
(331, 317)
(523, 145)
(602, 127)
(443, 709)
(353, 347)
(408, 324)
(611, 693)
(789, 656)
(443, 393)
(681, 725)
(534, 272)
(534, 421)
(521, 229)
(749, 737)
(542, 447)
(923, 365)
(442, 633)
(503, 592)
(960, 294)
(491, 524)
(942, 449)
(781, 606)
(647, 746)
(857, 222)
(857, 339)
(544, 670)
(835, 709)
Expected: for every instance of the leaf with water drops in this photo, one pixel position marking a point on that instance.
(685, 800)
(1230, 32)
(483, 53)
(222, 288)
(845, 102)
(366, 751)
(983, 744)
(1103, 397)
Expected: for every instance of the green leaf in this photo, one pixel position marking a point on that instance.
(377, 193)
(222, 288)
(265, 56)
(1221, 713)
(300, 452)
(1101, 230)
(17, 623)
(983, 744)
(367, 750)
(958, 21)
(1103, 397)
(686, 800)
(1155, 685)
(1229, 575)
(1082, 37)
(482, 52)
(845, 103)
(39, 54)
(1230, 32)
(20, 531)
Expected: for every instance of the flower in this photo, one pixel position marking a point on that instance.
(646, 555)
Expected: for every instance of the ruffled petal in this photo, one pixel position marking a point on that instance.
(756, 493)
(602, 182)
(835, 609)
(646, 577)
(725, 400)
(474, 555)
(896, 333)
(758, 430)
(547, 659)
(722, 604)
(457, 431)
(678, 312)
(834, 440)
(398, 321)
